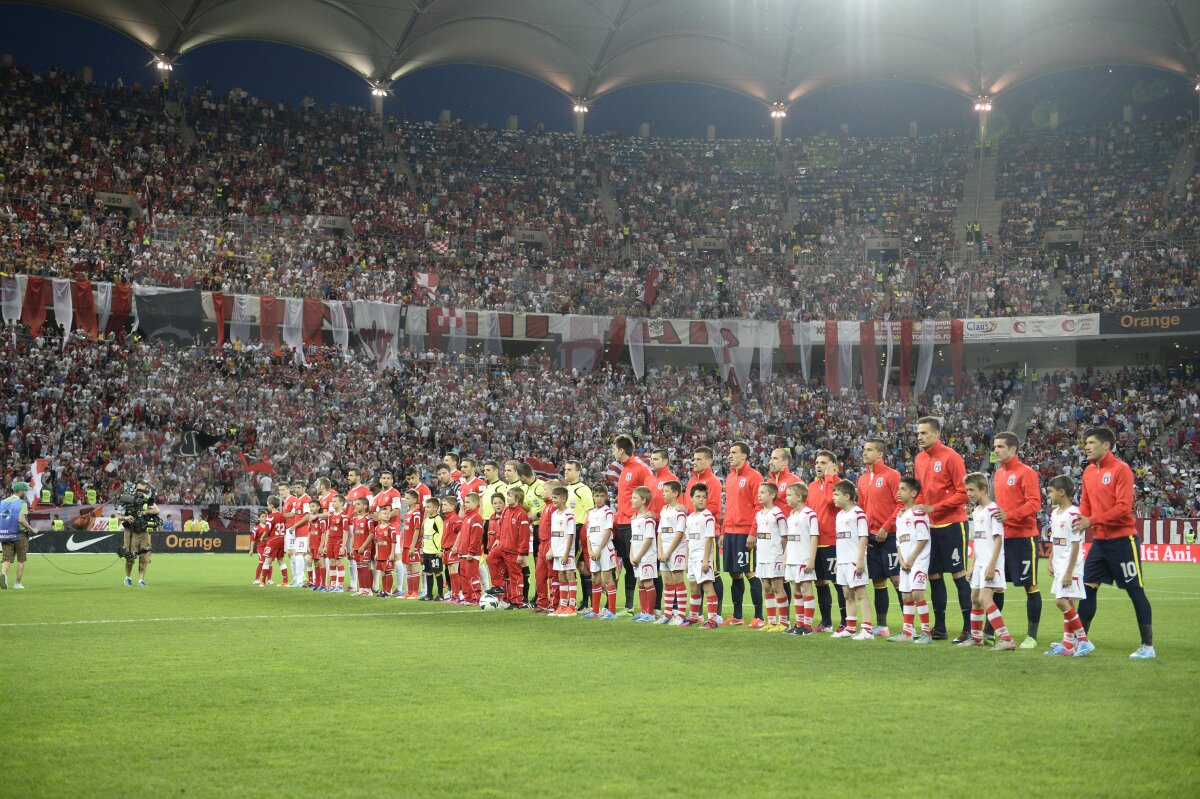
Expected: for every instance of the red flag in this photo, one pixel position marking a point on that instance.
(788, 345)
(270, 316)
(84, 303)
(654, 278)
(956, 355)
(543, 469)
(314, 312)
(122, 307)
(616, 339)
(219, 311)
(257, 463)
(906, 333)
(870, 365)
(33, 312)
(832, 378)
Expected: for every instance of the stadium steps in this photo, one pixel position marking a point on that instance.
(607, 201)
(403, 167)
(1181, 173)
(1019, 421)
(981, 179)
(187, 134)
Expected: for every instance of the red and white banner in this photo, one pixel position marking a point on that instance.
(1167, 531)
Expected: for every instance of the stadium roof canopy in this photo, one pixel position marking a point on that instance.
(773, 50)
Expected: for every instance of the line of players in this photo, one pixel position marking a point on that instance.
(673, 553)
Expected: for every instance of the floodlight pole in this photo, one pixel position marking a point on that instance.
(580, 110)
(778, 114)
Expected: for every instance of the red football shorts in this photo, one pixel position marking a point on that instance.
(273, 548)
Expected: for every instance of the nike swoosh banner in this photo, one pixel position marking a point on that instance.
(177, 315)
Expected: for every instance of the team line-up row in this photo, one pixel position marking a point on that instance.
(787, 539)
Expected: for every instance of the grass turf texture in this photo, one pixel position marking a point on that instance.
(202, 685)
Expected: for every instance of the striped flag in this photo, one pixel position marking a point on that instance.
(543, 469)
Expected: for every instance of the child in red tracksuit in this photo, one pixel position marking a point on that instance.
(547, 578)
(466, 548)
(452, 524)
(510, 550)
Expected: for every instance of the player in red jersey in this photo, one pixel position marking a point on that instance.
(333, 544)
(702, 474)
(634, 474)
(511, 549)
(385, 552)
(470, 482)
(356, 490)
(1106, 508)
(877, 487)
(545, 579)
(410, 545)
(451, 525)
(413, 480)
(274, 549)
(820, 499)
(1019, 500)
(298, 527)
(452, 460)
(741, 507)
(258, 543)
(467, 547)
(362, 529)
(316, 554)
(941, 473)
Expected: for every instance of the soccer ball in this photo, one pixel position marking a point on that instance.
(489, 602)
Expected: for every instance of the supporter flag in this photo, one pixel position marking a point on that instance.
(869, 358)
(84, 302)
(378, 328)
(956, 355)
(115, 308)
(582, 340)
(36, 472)
(193, 442)
(168, 313)
(257, 464)
(806, 337)
(925, 357)
(887, 365)
(10, 299)
(33, 312)
(906, 344)
(543, 469)
(427, 283)
(766, 351)
(613, 473)
(489, 324)
(340, 325)
(637, 347)
(733, 342)
(616, 340)
(447, 328)
(270, 317)
(832, 374)
(64, 307)
(654, 279)
(846, 331)
(244, 319)
(441, 247)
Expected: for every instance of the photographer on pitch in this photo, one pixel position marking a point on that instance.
(139, 517)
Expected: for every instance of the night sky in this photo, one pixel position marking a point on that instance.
(40, 38)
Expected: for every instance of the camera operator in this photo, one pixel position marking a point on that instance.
(139, 517)
(14, 533)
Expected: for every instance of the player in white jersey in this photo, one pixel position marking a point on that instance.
(643, 551)
(799, 566)
(987, 573)
(770, 528)
(672, 555)
(701, 549)
(1066, 567)
(852, 534)
(602, 555)
(912, 551)
(562, 551)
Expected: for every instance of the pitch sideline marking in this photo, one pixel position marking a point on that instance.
(226, 618)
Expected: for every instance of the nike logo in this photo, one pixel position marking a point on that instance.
(75, 546)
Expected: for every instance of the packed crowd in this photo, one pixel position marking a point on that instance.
(1156, 418)
(231, 185)
(103, 411)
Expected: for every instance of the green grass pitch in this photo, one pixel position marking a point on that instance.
(202, 685)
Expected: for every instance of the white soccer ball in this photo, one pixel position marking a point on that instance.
(489, 602)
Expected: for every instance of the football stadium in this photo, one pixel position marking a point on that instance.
(824, 371)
